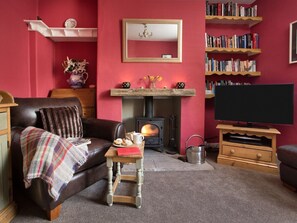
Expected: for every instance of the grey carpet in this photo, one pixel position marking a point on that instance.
(156, 161)
(224, 195)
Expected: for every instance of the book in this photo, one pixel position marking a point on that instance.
(127, 151)
(79, 141)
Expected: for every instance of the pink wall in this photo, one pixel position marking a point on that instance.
(274, 60)
(14, 44)
(111, 71)
(151, 48)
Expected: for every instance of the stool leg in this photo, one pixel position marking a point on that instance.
(119, 171)
(109, 197)
(139, 183)
(142, 174)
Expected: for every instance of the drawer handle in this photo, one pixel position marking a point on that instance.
(259, 155)
(232, 151)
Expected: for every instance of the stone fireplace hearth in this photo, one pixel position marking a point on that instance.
(152, 110)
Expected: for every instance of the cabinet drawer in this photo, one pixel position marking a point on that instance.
(247, 153)
(3, 120)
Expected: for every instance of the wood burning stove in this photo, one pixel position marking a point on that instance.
(151, 127)
(152, 130)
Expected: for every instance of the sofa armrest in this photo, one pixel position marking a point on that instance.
(104, 129)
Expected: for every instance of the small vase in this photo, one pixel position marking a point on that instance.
(77, 80)
(152, 85)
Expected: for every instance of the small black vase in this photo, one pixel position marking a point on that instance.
(180, 85)
(126, 84)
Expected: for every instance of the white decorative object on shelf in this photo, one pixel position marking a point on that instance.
(63, 34)
(70, 23)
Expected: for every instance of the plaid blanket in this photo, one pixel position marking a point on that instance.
(51, 158)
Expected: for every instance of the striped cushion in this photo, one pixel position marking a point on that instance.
(62, 121)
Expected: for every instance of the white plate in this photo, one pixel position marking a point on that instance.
(122, 146)
(70, 23)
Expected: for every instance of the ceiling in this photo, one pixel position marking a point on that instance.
(237, 1)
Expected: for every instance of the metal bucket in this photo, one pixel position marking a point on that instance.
(195, 154)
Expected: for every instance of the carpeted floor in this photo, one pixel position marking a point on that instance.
(156, 161)
(223, 195)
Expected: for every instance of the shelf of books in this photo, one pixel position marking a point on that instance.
(230, 67)
(231, 8)
(242, 48)
(210, 86)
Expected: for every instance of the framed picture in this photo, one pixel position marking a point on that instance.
(166, 56)
(293, 42)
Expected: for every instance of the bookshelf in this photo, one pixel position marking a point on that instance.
(233, 20)
(231, 47)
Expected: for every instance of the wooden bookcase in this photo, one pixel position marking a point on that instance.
(253, 148)
(232, 20)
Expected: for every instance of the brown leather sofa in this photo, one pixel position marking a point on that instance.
(101, 132)
(287, 155)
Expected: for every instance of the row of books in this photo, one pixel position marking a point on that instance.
(211, 85)
(230, 9)
(232, 65)
(249, 40)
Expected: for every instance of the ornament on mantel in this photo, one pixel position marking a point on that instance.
(152, 80)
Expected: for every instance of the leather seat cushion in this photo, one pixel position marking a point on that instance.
(287, 154)
(97, 150)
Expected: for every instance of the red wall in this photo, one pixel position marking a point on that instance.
(14, 44)
(111, 71)
(274, 59)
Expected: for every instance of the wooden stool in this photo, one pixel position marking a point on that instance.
(112, 156)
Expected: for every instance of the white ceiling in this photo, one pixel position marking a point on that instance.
(237, 1)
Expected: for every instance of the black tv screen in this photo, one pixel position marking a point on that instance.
(271, 103)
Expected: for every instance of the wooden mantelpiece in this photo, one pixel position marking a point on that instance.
(152, 92)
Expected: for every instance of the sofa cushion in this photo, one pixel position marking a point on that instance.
(97, 150)
(62, 121)
(287, 154)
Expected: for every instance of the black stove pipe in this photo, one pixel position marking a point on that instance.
(149, 106)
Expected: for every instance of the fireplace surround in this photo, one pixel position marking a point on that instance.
(133, 110)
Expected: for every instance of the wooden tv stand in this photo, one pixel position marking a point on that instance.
(253, 148)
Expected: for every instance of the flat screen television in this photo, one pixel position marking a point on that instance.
(251, 104)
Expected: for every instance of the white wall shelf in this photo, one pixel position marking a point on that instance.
(63, 34)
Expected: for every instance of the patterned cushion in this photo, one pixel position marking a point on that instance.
(62, 121)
